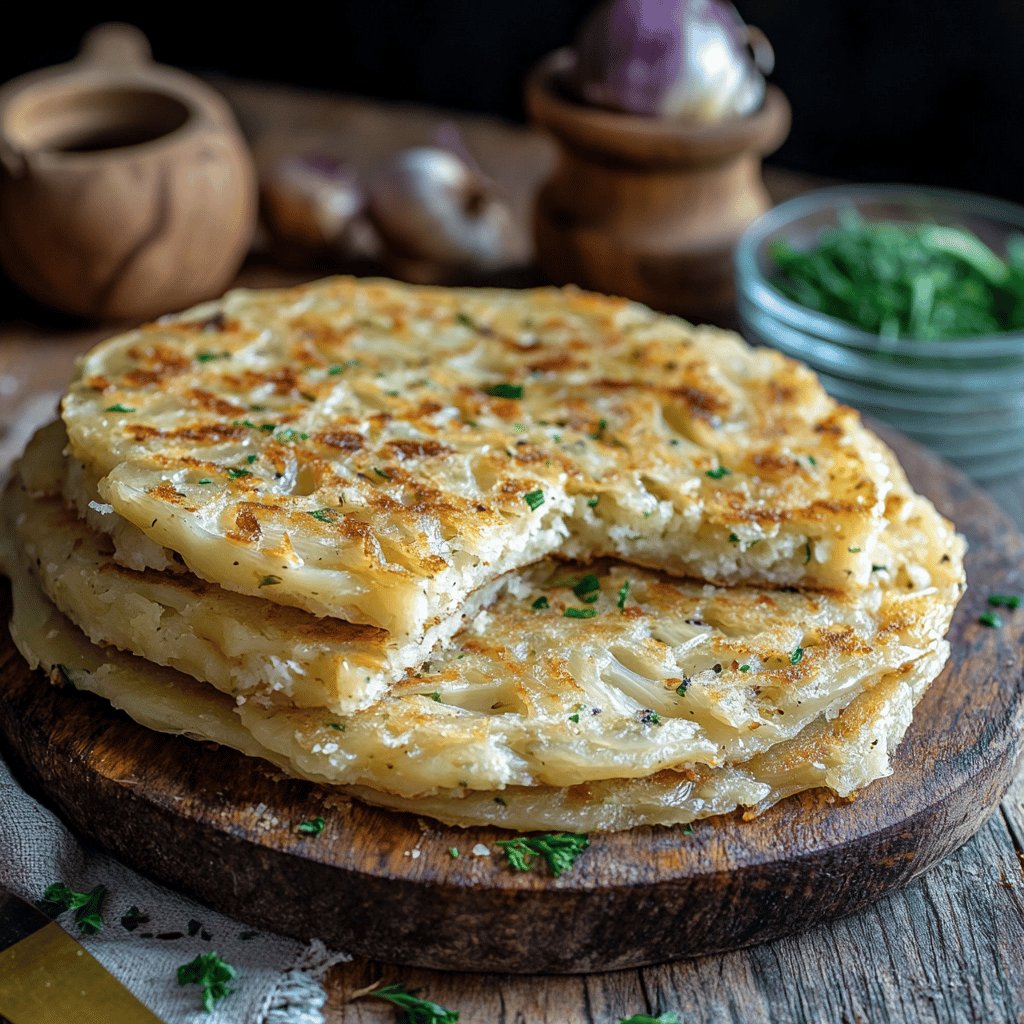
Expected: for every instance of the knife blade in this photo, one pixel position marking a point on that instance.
(46, 977)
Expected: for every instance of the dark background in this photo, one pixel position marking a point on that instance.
(908, 90)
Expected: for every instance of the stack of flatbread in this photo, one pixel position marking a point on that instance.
(539, 559)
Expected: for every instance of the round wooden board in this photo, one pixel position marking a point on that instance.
(223, 828)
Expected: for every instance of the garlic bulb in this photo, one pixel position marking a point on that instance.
(312, 202)
(672, 58)
(429, 204)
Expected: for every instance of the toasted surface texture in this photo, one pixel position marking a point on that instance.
(844, 754)
(376, 452)
(240, 644)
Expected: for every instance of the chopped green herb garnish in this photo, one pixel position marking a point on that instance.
(465, 319)
(879, 568)
(592, 502)
(88, 906)
(312, 827)
(204, 481)
(208, 357)
(648, 716)
(812, 460)
(212, 975)
(794, 658)
(718, 472)
(623, 595)
(683, 687)
(733, 538)
(926, 281)
(559, 850)
(251, 459)
(325, 515)
(383, 474)
(505, 391)
(575, 717)
(540, 604)
(237, 474)
(579, 613)
(436, 695)
(120, 408)
(336, 726)
(269, 581)
(990, 619)
(417, 1011)
(534, 499)
(854, 551)
(1004, 600)
(744, 668)
(807, 552)
(132, 918)
(588, 584)
(602, 426)
(453, 852)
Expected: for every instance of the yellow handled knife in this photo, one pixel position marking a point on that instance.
(48, 978)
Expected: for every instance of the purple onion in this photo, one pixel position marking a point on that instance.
(670, 58)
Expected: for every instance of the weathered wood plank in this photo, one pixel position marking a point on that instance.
(947, 950)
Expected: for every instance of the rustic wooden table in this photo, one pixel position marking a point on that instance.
(949, 948)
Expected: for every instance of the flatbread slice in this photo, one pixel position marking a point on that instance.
(844, 754)
(375, 452)
(574, 675)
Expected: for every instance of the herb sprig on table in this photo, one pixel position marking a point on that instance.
(88, 906)
(924, 281)
(211, 974)
(558, 850)
(416, 1011)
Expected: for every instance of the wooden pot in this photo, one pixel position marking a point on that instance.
(648, 207)
(126, 189)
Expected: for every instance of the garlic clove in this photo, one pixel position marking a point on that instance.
(428, 204)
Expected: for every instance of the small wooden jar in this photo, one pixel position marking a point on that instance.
(126, 189)
(648, 207)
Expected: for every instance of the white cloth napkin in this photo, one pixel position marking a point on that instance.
(279, 979)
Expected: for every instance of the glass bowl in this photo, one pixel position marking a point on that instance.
(964, 398)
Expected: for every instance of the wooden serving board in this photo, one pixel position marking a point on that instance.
(223, 828)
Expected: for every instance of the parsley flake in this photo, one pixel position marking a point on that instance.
(453, 852)
(325, 515)
(647, 716)
(1004, 600)
(382, 473)
(990, 619)
(796, 656)
(733, 538)
(312, 827)
(718, 472)
(589, 584)
(505, 391)
(540, 604)
(744, 668)
(559, 850)
(417, 1011)
(120, 408)
(208, 357)
(575, 717)
(204, 481)
(88, 906)
(237, 474)
(683, 687)
(854, 551)
(592, 502)
(879, 568)
(579, 613)
(132, 918)
(212, 975)
(623, 594)
(807, 552)
(534, 499)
